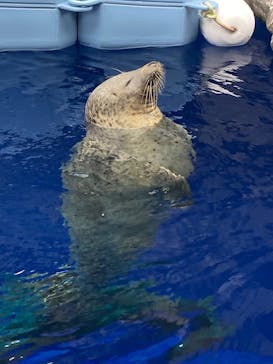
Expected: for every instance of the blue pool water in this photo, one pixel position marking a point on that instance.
(211, 262)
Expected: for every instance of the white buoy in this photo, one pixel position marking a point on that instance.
(231, 24)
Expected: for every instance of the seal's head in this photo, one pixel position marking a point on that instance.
(128, 100)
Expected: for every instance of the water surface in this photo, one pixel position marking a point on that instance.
(216, 253)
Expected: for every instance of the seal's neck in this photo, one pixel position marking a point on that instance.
(140, 120)
(130, 121)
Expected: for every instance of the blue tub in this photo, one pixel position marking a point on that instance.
(115, 24)
(109, 24)
(33, 25)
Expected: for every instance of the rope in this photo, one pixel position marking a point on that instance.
(211, 14)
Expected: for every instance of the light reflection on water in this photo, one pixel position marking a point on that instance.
(219, 246)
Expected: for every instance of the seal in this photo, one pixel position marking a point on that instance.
(134, 142)
(122, 178)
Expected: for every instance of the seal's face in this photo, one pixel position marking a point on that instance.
(128, 100)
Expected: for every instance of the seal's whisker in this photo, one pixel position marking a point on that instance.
(160, 81)
(147, 98)
(154, 95)
(144, 95)
(155, 98)
(157, 76)
(150, 95)
(154, 92)
(152, 88)
(116, 69)
(160, 77)
(147, 95)
(159, 84)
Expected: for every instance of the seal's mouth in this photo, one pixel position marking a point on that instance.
(153, 85)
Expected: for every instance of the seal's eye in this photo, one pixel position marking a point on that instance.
(127, 83)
